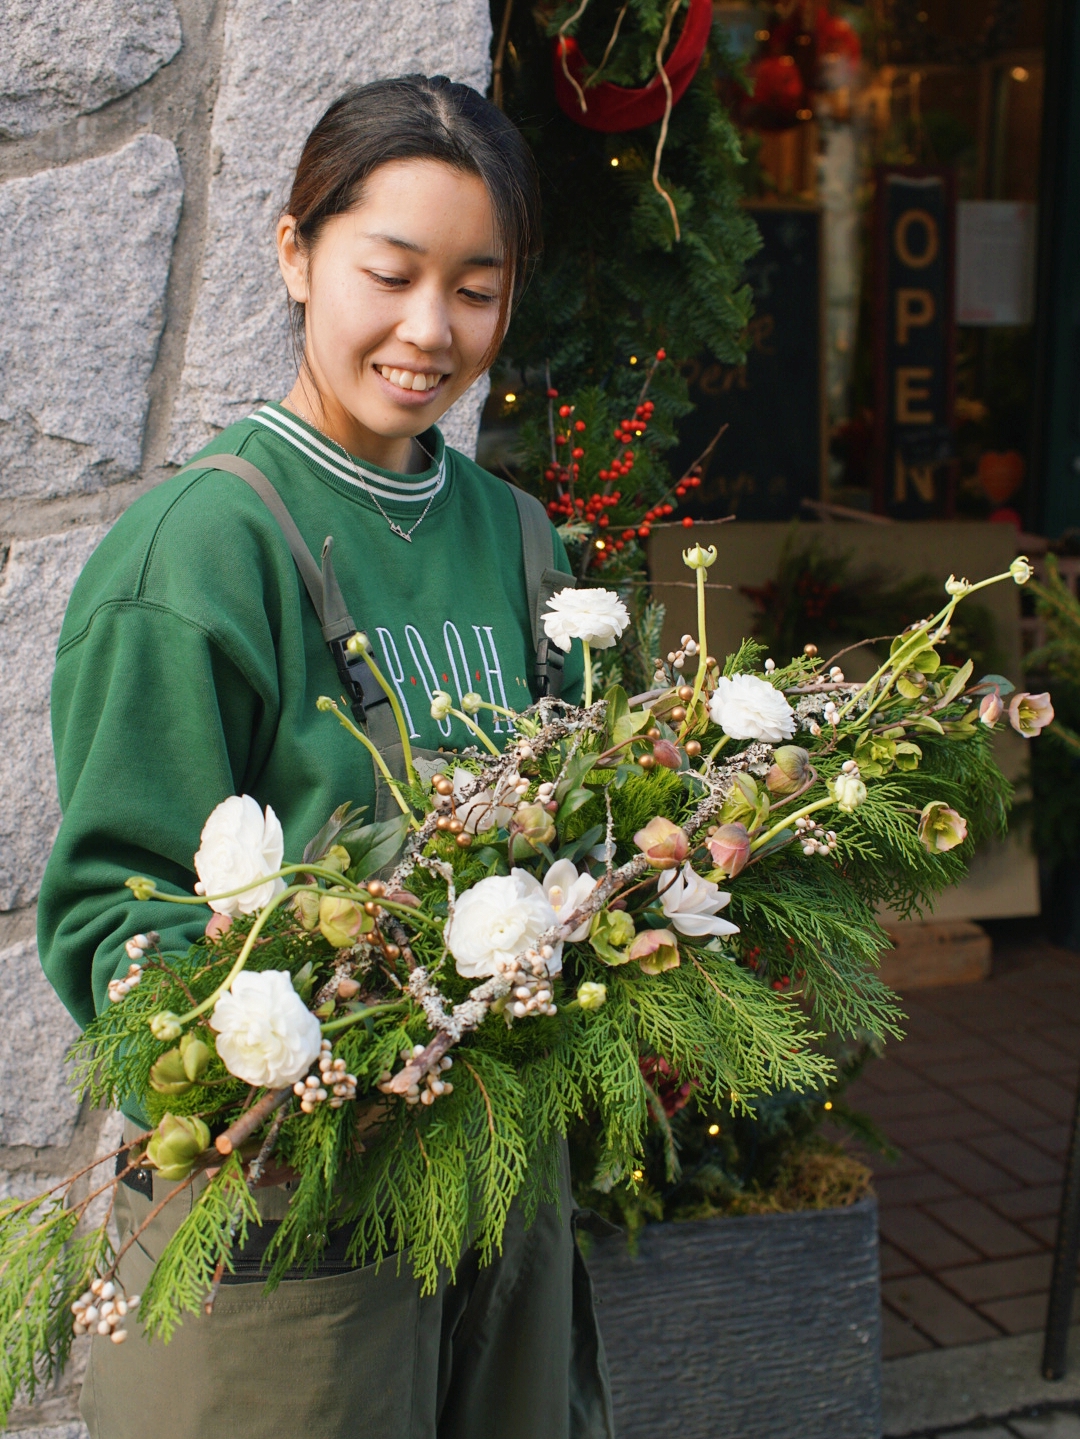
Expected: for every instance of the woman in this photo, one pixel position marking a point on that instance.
(189, 667)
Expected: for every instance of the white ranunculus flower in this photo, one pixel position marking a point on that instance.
(497, 920)
(596, 616)
(566, 889)
(746, 707)
(266, 1034)
(481, 811)
(240, 845)
(691, 903)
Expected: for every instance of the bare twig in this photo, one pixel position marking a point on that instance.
(250, 1120)
(500, 51)
(669, 103)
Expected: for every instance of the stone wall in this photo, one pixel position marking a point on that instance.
(145, 150)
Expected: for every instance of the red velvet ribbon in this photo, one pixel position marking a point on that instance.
(613, 108)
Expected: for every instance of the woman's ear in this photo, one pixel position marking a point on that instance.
(292, 261)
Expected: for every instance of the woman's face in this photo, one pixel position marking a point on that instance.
(402, 304)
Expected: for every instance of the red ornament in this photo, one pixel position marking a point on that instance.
(687, 522)
(614, 108)
(779, 93)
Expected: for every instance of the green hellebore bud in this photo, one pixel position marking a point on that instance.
(306, 904)
(609, 934)
(790, 769)
(742, 802)
(337, 857)
(441, 705)
(140, 888)
(591, 996)
(530, 827)
(357, 644)
(166, 1026)
(196, 1054)
(167, 1076)
(655, 950)
(176, 1144)
(342, 921)
(471, 703)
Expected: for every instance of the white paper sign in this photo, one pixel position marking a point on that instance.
(995, 262)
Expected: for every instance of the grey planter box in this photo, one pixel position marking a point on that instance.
(760, 1327)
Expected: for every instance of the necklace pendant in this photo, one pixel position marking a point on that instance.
(399, 531)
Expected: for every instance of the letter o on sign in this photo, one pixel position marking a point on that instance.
(926, 254)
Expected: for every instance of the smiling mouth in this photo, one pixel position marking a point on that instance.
(412, 380)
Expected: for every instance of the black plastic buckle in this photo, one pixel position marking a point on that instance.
(361, 687)
(549, 669)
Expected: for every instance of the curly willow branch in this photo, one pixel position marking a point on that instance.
(668, 105)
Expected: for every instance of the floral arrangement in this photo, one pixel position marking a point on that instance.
(674, 887)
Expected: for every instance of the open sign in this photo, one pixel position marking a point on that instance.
(914, 242)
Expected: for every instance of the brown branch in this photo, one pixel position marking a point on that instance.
(573, 19)
(483, 1091)
(250, 1120)
(500, 50)
(668, 105)
(595, 76)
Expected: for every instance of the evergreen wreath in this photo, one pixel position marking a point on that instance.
(550, 940)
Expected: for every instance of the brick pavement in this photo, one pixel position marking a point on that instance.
(978, 1100)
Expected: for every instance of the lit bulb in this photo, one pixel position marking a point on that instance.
(828, 1104)
(510, 399)
(614, 162)
(633, 359)
(714, 1129)
(1019, 73)
(639, 1175)
(600, 545)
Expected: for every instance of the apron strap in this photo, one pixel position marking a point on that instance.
(542, 581)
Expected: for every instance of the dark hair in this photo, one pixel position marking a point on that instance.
(419, 117)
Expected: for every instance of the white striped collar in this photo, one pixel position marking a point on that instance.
(372, 482)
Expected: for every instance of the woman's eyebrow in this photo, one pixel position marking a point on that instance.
(487, 262)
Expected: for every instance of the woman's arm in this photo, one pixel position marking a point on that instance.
(153, 725)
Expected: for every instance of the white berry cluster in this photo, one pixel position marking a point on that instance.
(137, 947)
(815, 839)
(545, 795)
(102, 1310)
(119, 987)
(530, 983)
(332, 1083)
(688, 649)
(433, 1085)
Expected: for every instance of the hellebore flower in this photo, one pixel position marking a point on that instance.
(941, 828)
(790, 770)
(848, 791)
(609, 933)
(1021, 569)
(691, 903)
(497, 920)
(342, 921)
(167, 1074)
(566, 889)
(530, 827)
(240, 844)
(441, 704)
(598, 617)
(306, 905)
(991, 708)
(730, 848)
(666, 844)
(746, 707)
(655, 950)
(591, 996)
(266, 1034)
(699, 557)
(1028, 714)
(176, 1144)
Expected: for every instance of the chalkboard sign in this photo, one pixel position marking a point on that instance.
(771, 455)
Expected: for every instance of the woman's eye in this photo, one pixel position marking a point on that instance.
(394, 281)
(478, 295)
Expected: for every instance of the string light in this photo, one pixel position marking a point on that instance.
(633, 359)
(714, 1129)
(1019, 73)
(828, 1104)
(510, 399)
(639, 1175)
(614, 162)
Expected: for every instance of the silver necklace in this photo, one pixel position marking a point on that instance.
(404, 534)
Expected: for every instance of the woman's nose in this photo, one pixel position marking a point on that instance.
(426, 322)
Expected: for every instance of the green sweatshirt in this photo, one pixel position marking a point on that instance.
(191, 659)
